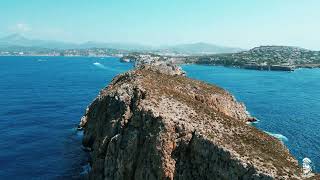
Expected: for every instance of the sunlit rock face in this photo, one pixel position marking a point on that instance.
(154, 124)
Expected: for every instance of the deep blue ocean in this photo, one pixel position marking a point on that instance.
(43, 98)
(41, 102)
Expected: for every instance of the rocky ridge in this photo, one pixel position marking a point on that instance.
(155, 124)
(282, 58)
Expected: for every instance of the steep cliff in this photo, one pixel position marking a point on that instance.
(152, 125)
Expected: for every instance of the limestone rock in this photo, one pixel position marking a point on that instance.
(152, 125)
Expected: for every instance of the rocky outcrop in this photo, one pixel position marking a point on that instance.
(162, 68)
(152, 125)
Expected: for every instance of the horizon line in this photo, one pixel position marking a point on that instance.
(151, 45)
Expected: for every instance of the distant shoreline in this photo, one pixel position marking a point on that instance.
(248, 67)
(257, 68)
(268, 68)
(56, 56)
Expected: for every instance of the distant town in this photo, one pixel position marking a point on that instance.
(92, 52)
(270, 58)
(282, 58)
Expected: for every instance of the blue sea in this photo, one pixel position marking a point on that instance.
(41, 101)
(43, 98)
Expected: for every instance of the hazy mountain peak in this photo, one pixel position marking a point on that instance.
(197, 48)
(203, 48)
(13, 37)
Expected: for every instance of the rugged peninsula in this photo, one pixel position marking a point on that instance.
(270, 58)
(155, 123)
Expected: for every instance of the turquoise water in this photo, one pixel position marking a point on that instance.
(41, 102)
(43, 98)
(287, 104)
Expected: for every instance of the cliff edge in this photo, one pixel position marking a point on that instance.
(149, 124)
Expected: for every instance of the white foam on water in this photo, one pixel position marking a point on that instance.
(99, 65)
(42, 60)
(85, 169)
(255, 122)
(278, 136)
(79, 133)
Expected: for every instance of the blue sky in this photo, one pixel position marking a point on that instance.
(239, 23)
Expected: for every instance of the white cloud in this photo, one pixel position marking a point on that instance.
(45, 33)
(21, 28)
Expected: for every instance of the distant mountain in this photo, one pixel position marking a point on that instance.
(123, 46)
(14, 39)
(17, 40)
(202, 49)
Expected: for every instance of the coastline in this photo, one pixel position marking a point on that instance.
(26, 55)
(264, 68)
(150, 58)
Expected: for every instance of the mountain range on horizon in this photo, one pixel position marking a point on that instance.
(18, 40)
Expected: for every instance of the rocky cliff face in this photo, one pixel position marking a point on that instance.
(152, 125)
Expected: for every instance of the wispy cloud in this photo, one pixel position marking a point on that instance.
(44, 32)
(20, 28)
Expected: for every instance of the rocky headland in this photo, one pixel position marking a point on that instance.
(155, 123)
(267, 58)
